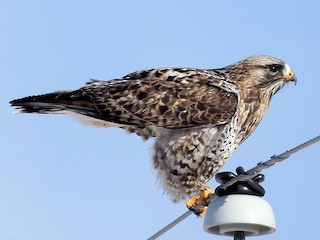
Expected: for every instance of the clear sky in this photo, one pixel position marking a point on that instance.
(62, 180)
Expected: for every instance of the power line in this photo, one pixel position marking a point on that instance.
(243, 177)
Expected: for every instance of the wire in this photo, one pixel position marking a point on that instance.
(171, 225)
(243, 177)
(269, 163)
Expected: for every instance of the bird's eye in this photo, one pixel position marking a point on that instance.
(274, 68)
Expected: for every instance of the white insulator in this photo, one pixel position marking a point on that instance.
(233, 213)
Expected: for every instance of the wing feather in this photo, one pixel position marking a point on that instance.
(168, 98)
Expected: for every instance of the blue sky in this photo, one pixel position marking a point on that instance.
(62, 180)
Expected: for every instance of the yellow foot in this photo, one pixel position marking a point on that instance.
(198, 204)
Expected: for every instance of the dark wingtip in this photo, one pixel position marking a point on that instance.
(18, 101)
(46, 98)
(23, 105)
(55, 102)
(34, 104)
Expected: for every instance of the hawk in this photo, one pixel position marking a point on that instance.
(198, 117)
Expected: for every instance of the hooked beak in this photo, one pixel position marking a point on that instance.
(291, 77)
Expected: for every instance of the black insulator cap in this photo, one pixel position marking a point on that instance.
(249, 187)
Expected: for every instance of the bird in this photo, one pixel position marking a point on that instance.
(198, 117)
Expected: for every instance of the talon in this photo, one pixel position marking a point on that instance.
(198, 209)
(198, 205)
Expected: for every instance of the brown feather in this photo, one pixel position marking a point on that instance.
(174, 103)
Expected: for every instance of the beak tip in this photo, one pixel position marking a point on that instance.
(294, 79)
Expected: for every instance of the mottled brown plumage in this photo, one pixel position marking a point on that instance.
(199, 117)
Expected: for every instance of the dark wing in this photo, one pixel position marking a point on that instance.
(169, 98)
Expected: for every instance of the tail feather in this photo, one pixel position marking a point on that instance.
(57, 102)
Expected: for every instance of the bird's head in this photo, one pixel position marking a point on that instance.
(260, 71)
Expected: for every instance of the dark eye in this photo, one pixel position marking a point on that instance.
(274, 68)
